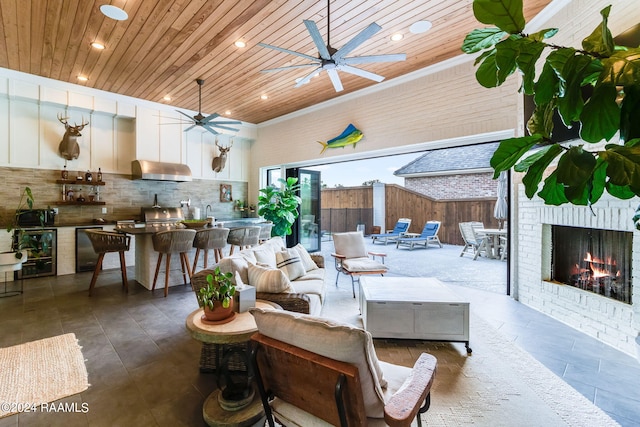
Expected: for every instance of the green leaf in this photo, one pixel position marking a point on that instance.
(529, 52)
(571, 103)
(510, 151)
(622, 68)
(629, 123)
(504, 14)
(620, 192)
(506, 54)
(483, 55)
(537, 168)
(553, 192)
(598, 181)
(487, 72)
(480, 39)
(557, 60)
(575, 167)
(600, 116)
(547, 86)
(543, 34)
(600, 40)
(541, 121)
(623, 165)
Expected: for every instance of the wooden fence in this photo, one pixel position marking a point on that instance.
(344, 208)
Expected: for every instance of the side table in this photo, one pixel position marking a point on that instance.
(235, 404)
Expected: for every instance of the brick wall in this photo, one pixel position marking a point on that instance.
(610, 321)
(448, 187)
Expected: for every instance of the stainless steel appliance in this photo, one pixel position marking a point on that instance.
(36, 217)
(155, 217)
(42, 258)
(86, 258)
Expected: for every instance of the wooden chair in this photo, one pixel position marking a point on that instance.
(471, 240)
(168, 242)
(210, 238)
(347, 379)
(104, 242)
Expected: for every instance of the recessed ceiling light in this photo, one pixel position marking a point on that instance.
(420, 27)
(264, 97)
(97, 45)
(83, 78)
(227, 113)
(113, 12)
(240, 44)
(397, 37)
(167, 98)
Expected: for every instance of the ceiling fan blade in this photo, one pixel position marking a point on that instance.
(186, 115)
(210, 129)
(210, 117)
(225, 122)
(290, 67)
(317, 39)
(190, 127)
(374, 58)
(308, 77)
(335, 79)
(362, 73)
(360, 38)
(214, 124)
(291, 52)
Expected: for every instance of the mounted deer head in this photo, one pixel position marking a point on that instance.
(219, 162)
(69, 148)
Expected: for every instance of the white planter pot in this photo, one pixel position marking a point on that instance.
(9, 262)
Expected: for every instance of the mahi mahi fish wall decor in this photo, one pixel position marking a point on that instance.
(349, 136)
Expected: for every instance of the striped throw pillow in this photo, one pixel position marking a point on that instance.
(289, 261)
(271, 280)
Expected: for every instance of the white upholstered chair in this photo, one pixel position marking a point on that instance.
(352, 258)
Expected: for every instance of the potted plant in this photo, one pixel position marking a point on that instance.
(216, 298)
(21, 242)
(280, 205)
(595, 86)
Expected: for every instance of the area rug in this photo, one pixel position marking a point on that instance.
(498, 385)
(40, 372)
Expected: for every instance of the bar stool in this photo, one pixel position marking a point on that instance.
(104, 242)
(168, 242)
(210, 238)
(265, 231)
(243, 237)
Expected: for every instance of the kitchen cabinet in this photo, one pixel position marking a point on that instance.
(80, 187)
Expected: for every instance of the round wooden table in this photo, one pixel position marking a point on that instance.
(217, 409)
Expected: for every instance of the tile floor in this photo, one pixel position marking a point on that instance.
(142, 362)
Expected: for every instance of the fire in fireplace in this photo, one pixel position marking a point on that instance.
(594, 260)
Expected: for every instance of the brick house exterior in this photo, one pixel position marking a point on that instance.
(452, 173)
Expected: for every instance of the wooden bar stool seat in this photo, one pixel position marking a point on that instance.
(169, 242)
(104, 242)
(210, 238)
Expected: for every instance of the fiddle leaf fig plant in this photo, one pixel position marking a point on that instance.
(595, 87)
(280, 205)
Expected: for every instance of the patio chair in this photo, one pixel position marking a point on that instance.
(349, 386)
(402, 226)
(352, 258)
(429, 234)
(472, 240)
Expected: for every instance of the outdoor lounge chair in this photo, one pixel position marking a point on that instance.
(402, 226)
(429, 234)
(471, 239)
(351, 257)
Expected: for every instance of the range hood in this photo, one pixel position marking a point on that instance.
(160, 171)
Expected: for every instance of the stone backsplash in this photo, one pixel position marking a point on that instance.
(123, 196)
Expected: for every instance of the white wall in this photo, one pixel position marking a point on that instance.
(121, 129)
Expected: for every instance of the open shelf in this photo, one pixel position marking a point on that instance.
(79, 182)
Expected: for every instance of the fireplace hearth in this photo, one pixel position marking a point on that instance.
(593, 260)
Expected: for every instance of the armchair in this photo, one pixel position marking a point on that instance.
(350, 386)
(352, 258)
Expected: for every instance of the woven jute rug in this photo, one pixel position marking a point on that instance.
(498, 385)
(40, 372)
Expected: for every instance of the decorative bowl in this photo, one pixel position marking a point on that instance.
(194, 223)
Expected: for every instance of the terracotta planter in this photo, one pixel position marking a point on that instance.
(218, 313)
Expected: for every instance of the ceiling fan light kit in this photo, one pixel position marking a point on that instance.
(207, 122)
(333, 60)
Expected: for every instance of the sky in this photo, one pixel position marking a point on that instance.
(354, 173)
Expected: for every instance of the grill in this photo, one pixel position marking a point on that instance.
(155, 217)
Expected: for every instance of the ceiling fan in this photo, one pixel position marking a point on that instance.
(333, 60)
(207, 122)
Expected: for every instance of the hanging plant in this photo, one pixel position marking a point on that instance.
(611, 105)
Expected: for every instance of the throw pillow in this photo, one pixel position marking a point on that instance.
(271, 280)
(307, 261)
(289, 261)
(265, 255)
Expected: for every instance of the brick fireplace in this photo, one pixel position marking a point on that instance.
(582, 302)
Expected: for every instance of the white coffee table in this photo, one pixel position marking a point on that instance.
(413, 308)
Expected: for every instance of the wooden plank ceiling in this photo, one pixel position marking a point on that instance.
(166, 44)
